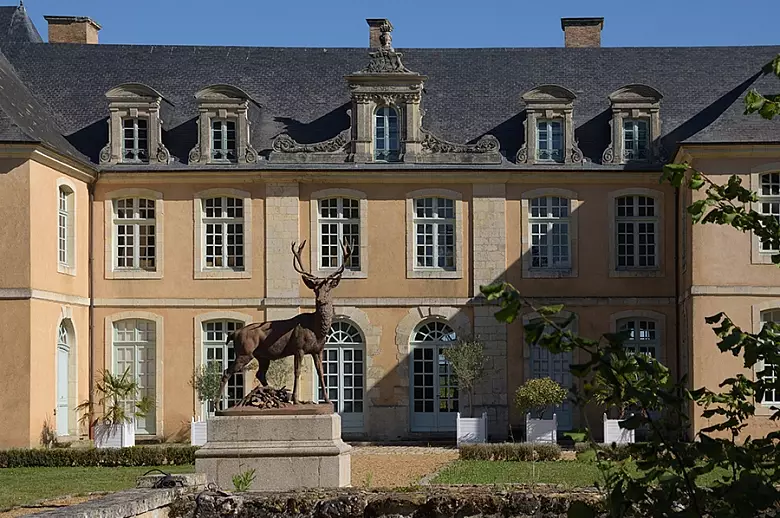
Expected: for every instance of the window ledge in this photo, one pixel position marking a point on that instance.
(434, 274)
(65, 269)
(765, 409)
(551, 273)
(133, 274)
(222, 274)
(655, 272)
(346, 274)
(762, 257)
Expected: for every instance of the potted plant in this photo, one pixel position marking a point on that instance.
(467, 359)
(533, 398)
(118, 405)
(206, 380)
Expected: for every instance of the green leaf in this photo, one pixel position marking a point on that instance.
(579, 509)
(632, 423)
(492, 289)
(550, 310)
(507, 314)
(697, 181)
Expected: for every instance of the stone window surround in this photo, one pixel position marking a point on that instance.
(644, 314)
(658, 196)
(134, 100)
(412, 272)
(531, 317)
(372, 336)
(110, 239)
(71, 243)
(197, 335)
(66, 316)
(525, 234)
(200, 271)
(635, 101)
(756, 256)
(223, 102)
(158, 354)
(548, 102)
(314, 250)
(762, 409)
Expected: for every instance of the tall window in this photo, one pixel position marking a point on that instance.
(386, 143)
(642, 336)
(134, 227)
(223, 224)
(344, 371)
(65, 227)
(636, 226)
(134, 351)
(223, 140)
(771, 396)
(769, 203)
(339, 221)
(549, 220)
(215, 333)
(135, 140)
(636, 142)
(434, 223)
(434, 385)
(549, 140)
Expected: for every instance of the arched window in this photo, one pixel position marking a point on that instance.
(63, 378)
(636, 225)
(134, 351)
(434, 386)
(65, 226)
(386, 143)
(344, 370)
(643, 336)
(550, 237)
(769, 203)
(215, 334)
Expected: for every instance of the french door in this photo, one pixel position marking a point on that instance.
(343, 366)
(434, 387)
(135, 352)
(63, 381)
(215, 332)
(544, 364)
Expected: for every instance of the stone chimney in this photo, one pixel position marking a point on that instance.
(374, 31)
(582, 32)
(72, 29)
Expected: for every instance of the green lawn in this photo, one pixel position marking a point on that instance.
(21, 486)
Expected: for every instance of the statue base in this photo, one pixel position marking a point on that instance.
(289, 448)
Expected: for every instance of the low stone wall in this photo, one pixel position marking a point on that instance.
(472, 501)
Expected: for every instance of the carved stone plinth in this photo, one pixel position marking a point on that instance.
(291, 448)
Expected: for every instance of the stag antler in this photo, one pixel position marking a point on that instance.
(297, 263)
(346, 251)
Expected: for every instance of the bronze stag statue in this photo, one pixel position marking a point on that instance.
(297, 336)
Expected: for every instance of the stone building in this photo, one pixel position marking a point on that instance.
(149, 195)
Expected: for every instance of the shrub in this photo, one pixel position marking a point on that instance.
(537, 394)
(89, 457)
(510, 452)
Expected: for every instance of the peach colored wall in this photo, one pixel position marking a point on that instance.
(15, 228)
(44, 229)
(178, 279)
(15, 372)
(386, 243)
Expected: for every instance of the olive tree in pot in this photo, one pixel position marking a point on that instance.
(206, 380)
(467, 358)
(118, 405)
(533, 398)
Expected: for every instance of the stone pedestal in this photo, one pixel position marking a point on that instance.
(290, 448)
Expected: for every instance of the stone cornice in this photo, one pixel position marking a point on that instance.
(50, 158)
(727, 150)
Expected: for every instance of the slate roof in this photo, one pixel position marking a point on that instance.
(469, 93)
(15, 25)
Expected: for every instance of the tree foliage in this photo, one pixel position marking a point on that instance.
(206, 380)
(467, 358)
(118, 400)
(661, 477)
(536, 395)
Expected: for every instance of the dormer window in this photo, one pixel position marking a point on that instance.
(549, 129)
(549, 138)
(135, 126)
(636, 126)
(223, 127)
(223, 140)
(135, 142)
(386, 147)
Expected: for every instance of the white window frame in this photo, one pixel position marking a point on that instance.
(767, 312)
(316, 222)
(549, 149)
(227, 325)
(137, 148)
(526, 238)
(109, 208)
(202, 271)
(659, 319)
(436, 223)
(225, 150)
(66, 227)
(414, 271)
(658, 219)
(758, 255)
(388, 153)
(638, 146)
(223, 205)
(546, 219)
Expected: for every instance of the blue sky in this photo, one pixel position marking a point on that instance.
(420, 23)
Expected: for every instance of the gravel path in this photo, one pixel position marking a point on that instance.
(396, 466)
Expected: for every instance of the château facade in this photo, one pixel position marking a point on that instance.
(149, 196)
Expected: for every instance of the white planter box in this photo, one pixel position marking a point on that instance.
(541, 430)
(197, 432)
(471, 430)
(115, 436)
(613, 432)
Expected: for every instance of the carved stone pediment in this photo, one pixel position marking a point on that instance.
(285, 149)
(385, 62)
(549, 93)
(440, 151)
(134, 92)
(222, 93)
(636, 93)
(634, 102)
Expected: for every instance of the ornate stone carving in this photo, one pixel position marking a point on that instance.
(251, 155)
(194, 155)
(105, 154)
(608, 156)
(284, 143)
(385, 61)
(163, 155)
(433, 144)
(576, 154)
(522, 155)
